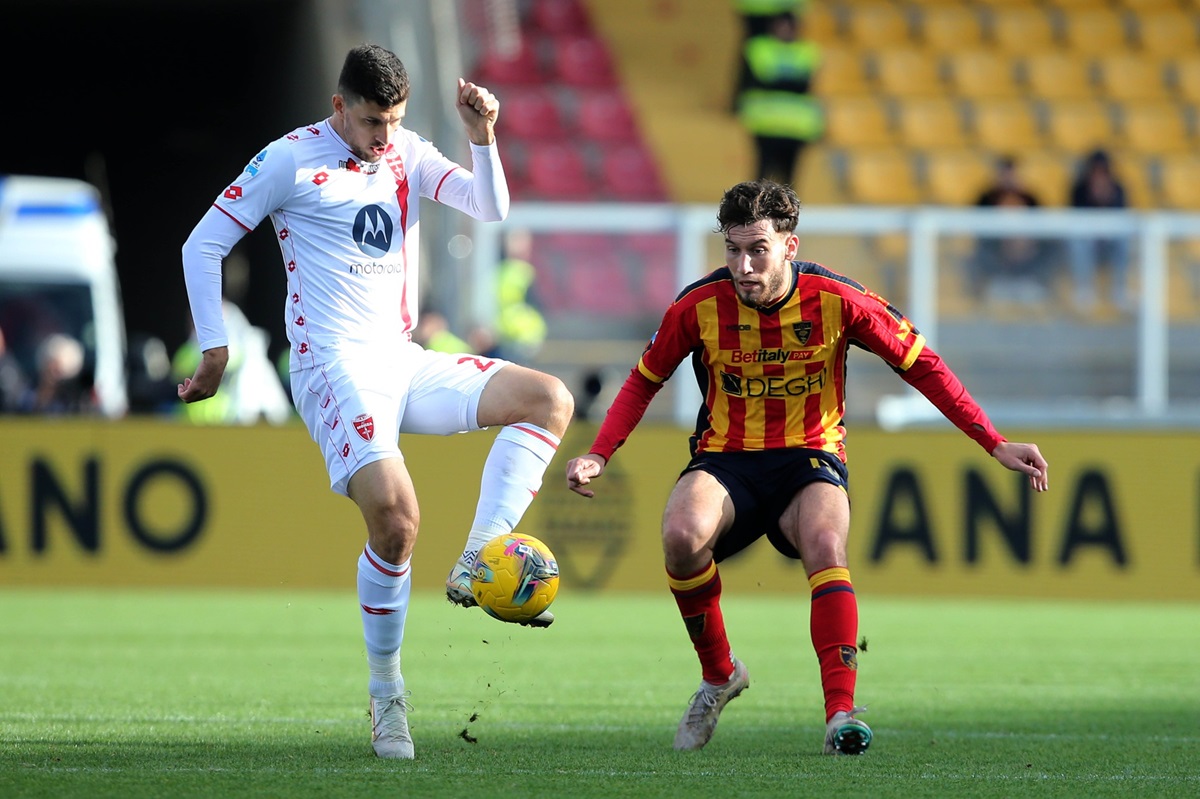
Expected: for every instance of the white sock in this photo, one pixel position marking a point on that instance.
(383, 590)
(512, 476)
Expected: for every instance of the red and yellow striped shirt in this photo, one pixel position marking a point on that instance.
(775, 378)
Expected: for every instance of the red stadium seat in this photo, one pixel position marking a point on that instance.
(583, 61)
(559, 17)
(630, 173)
(559, 172)
(520, 68)
(605, 115)
(532, 114)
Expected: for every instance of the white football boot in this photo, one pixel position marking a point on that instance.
(699, 723)
(846, 735)
(389, 727)
(458, 592)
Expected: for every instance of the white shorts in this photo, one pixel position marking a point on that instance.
(356, 410)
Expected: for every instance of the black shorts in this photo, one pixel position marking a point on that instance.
(762, 484)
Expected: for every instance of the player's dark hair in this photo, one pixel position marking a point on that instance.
(756, 200)
(374, 74)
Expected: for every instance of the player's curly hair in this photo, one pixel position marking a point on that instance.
(374, 74)
(756, 200)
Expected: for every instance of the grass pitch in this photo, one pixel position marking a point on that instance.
(223, 694)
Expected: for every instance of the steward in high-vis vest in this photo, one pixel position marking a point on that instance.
(775, 105)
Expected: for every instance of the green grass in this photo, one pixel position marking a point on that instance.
(224, 694)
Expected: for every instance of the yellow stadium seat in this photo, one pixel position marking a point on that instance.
(1048, 175)
(873, 25)
(1022, 29)
(820, 24)
(1095, 30)
(1180, 181)
(909, 72)
(1006, 125)
(882, 177)
(843, 70)
(1169, 32)
(1186, 78)
(1058, 75)
(1135, 171)
(1155, 128)
(982, 74)
(1079, 126)
(955, 177)
(949, 28)
(1142, 6)
(927, 122)
(858, 122)
(1134, 76)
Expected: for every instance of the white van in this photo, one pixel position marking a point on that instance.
(58, 274)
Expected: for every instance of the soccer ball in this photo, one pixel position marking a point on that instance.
(515, 577)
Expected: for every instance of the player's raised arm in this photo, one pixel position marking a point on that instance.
(478, 108)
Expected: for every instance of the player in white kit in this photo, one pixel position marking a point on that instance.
(343, 196)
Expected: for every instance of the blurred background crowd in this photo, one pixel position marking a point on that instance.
(864, 105)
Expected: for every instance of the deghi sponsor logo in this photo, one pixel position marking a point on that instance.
(774, 386)
(778, 355)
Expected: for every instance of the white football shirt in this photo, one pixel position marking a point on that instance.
(348, 233)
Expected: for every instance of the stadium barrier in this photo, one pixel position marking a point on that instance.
(149, 503)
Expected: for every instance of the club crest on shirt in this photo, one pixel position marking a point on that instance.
(365, 425)
(802, 330)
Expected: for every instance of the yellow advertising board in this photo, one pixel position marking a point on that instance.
(155, 503)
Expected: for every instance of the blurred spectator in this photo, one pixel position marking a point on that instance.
(1007, 184)
(251, 390)
(1096, 186)
(520, 325)
(61, 387)
(774, 102)
(756, 18)
(148, 371)
(1017, 268)
(13, 382)
(433, 333)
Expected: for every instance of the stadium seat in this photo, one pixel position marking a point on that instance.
(1155, 128)
(629, 172)
(955, 176)
(1125, 76)
(857, 122)
(1144, 6)
(559, 171)
(605, 115)
(873, 25)
(984, 73)
(950, 28)
(1185, 78)
(1058, 75)
(882, 177)
(1048, 174)
(909, 72)
(533, 114)
(1006, 125)
(581, 61)
(1136, 171)
(558, 17)
(1179, 177)
(521, 67)
(930, 122)
(821, 24)
(1022, 29)
(1092, 31)
(843, 70)
(1079, 126)
(1169, 32)
(597, 282)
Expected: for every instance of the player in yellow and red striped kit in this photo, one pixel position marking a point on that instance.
(768, 336)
